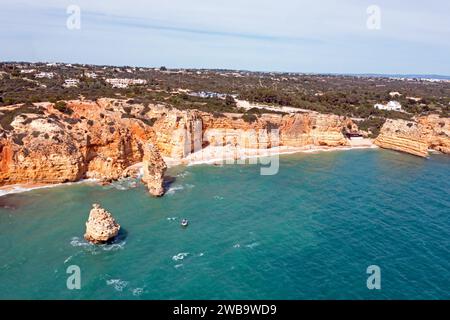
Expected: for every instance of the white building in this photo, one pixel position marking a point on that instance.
(124, 83)
(208, 94)
(48, 75)
(27, 70)
(390, 106)
(395, 94)
(68, 83)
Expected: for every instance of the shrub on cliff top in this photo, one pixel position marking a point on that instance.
(250, 118)
(372, 124)
(62, 107)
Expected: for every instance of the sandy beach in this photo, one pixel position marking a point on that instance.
(231, 154)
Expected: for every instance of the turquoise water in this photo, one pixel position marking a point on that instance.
(308, 232)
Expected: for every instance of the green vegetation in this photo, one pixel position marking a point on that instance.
(350, 105)
(250, 118)
(372, 124)
(342, 95)
(61, 106)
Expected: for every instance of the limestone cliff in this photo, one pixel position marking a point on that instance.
(181, 132)
(154, 168)
(82, 140)
(100, 226)
(436, 132)
(416, 137)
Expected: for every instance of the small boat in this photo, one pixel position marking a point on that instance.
(184, 223)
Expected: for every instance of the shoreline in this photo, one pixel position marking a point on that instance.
(25, 187)
(207, 155)
(228, 155)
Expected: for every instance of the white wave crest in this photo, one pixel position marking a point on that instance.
(174, 189)
(118, 284)
(137, 291)
(180, 256)
(252, 245)
(183, 174)
(24, 188)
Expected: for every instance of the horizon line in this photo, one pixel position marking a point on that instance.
(362, 74)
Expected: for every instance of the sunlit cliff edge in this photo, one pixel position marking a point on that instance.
(105, 139)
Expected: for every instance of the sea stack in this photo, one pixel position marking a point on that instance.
(154, 170)
(100, 226)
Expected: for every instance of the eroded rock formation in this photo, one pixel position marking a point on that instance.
(416, 137)
(85, 140)
(154, 168)
(101, 226)
(103, 139)
(182, 132)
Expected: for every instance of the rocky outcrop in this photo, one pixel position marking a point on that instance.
(402, 136)
(314, 129)
(84, 140)
(182, 132)
(46, 143)
(416, 137)
(436, 132)
(101, 226)
(154, 168)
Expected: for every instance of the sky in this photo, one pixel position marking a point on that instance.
(322, 36)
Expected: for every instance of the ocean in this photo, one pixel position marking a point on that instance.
(308, 232)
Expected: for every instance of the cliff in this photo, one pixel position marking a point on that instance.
(179, 133)
(47, 143)
(106, 139)
(416, 137)
(43, 144)
(154, 168)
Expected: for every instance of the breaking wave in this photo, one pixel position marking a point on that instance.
(22, 188)
(96, 249)
(174, 189)
(117, 284)
(180, 256)
(124, 184)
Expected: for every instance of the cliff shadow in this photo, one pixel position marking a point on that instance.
(168, 181)
(121, 236)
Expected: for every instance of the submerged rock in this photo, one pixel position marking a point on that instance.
(100, 226)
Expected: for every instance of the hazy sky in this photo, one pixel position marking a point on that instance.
(278, 35)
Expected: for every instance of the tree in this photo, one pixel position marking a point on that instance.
(229, 100)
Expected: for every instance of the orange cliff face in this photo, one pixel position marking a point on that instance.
(416, 137)
(91, 141)
(103, 139)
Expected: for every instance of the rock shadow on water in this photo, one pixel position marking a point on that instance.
(121, 237)
(168, 181)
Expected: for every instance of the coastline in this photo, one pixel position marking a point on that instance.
(208, 155)
(229, 155)
(25, 187)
